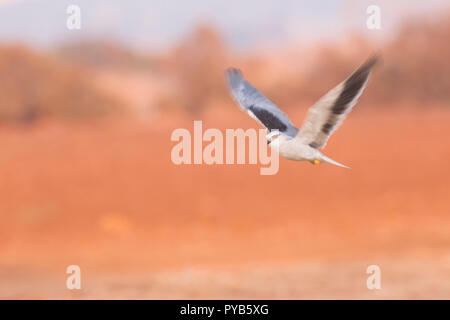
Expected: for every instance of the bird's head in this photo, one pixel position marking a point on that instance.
(273, 135)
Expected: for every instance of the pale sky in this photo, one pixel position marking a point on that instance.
(156, 24)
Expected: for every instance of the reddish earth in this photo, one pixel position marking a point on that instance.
(108, 198)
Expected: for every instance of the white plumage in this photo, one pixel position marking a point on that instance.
(322, 119)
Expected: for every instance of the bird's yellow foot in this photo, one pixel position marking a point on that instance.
(315, 161)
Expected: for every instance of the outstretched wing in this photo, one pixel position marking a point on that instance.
(257, 105)
(325, 116)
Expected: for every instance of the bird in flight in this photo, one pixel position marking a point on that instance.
(322, 119)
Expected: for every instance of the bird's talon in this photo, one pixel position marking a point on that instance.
(316, 161)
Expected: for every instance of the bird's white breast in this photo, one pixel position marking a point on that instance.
(293, 149)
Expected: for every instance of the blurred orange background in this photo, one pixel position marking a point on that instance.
(86, 176)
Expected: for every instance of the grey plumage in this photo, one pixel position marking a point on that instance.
(257, 105)
(322, 119)
(325, 116)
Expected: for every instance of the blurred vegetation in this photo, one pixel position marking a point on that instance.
(35, 86)
(418, 68)
(190, 76)
(105, 54)
(197, 66)
(415, 68)
(414, 71)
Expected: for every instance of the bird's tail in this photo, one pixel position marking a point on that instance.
(326, 159)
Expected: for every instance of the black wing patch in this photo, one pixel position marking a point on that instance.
(352, 87)
(269, 120)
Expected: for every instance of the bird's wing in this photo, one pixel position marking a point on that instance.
(325, 116)
(257, 105)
